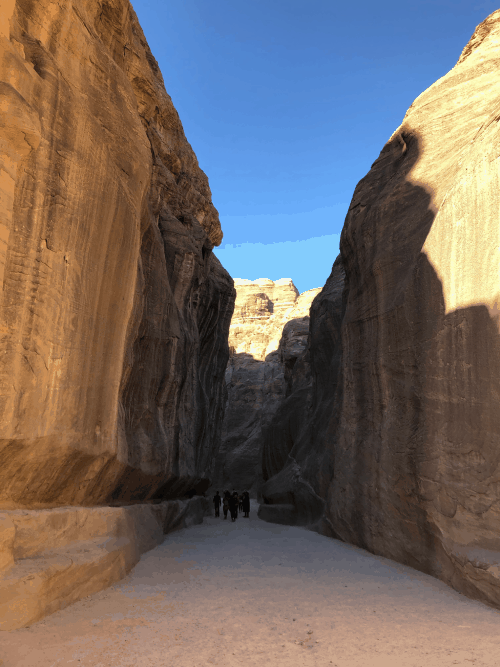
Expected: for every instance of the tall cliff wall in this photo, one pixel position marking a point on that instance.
(410, 435)
(418, 449)
(114, 310)
(268, 332)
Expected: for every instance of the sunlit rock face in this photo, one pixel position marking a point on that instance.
(417, 448)
(262, 307)
(114, 310)
(268, 333)
(391, 428)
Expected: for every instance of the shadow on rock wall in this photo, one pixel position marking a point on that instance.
(416, 451)
(256, 390)
(297, 456)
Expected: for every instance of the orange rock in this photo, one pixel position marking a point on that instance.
(114, 311)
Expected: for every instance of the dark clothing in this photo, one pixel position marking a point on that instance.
(225, 505)
(217, 500)
(233, 507)
(246, 504)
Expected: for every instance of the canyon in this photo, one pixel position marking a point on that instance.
(366, 410)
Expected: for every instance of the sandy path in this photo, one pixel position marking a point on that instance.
(252, 593)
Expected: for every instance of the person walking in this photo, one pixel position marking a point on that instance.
(217, 503)
(225, 504)
(246, 504)
(233, 506)
(240, 502)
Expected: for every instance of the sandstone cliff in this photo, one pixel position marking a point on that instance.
(412, 434)
(114, 312)
(417, 454)
(268, 333)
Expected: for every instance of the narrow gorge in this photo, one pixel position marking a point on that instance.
(137, 377)
(268, 333)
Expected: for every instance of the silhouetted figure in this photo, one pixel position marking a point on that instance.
(225, 503)
(233, 506)
(246, 504)
(240, 502)
(217, 503)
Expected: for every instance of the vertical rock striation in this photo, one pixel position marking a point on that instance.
(114, 310)
(268, 333)
(417, 451)
(392, 425)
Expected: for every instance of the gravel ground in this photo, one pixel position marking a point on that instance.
(252, 593)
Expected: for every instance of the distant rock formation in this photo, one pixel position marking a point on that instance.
(268, 332)
(114, 310)
(296, 457)
(411, 436)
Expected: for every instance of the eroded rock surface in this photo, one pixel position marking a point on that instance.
(268, 333)
(297, 456)
(410, 434)
(418, 447)
(114, 310)
(61, 555)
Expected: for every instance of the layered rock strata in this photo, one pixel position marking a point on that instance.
(412, 434)
(268, 333)
(114, 312)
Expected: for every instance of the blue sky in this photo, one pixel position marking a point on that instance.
(287, 103)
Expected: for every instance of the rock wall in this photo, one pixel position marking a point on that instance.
(417, 451)
(114, 310)
(58, 556)
(411, 433)
(268, 333)
(297, 457)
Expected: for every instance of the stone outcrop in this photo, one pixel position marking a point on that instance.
(417, 454)
(114, 312)
(413, 429)
(59, 556)
(268, 333)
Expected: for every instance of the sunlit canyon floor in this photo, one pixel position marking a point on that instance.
(251, 593)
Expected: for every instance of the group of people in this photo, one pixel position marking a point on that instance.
(232, 502)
